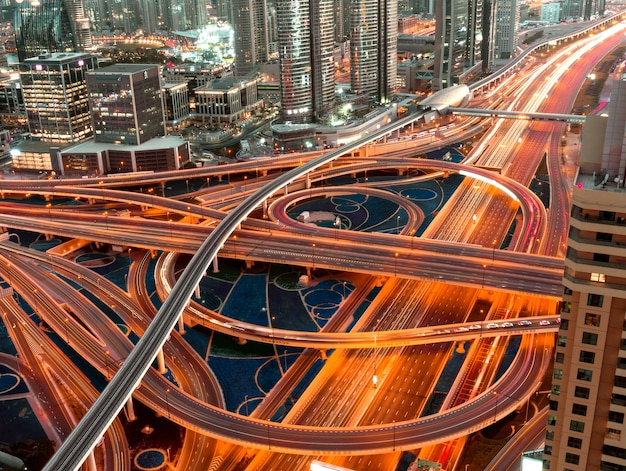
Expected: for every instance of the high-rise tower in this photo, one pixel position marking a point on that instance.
(586, 427)
(251, 35)
(374, 47)
(305, 50)
(50, 26)
(450, 42)
(55, 96)
(126, 103)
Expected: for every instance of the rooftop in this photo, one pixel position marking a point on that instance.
(600, 181)
(56, 57)
(124, 68)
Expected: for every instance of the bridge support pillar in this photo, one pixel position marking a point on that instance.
(216, 266)
(181, 325)
(130, 410)
(161, 362)
(265, 215)
(308, 181)
(91, 462)
(197, 292)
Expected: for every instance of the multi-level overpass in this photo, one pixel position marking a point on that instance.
(109, 403)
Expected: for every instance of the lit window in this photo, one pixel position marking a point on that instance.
(599, 277)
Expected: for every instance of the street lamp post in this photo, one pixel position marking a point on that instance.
(398, 225)
(67, 333)
(245, 400)
(374, 377)
(484, 269)
(167, 401)
(395, 267)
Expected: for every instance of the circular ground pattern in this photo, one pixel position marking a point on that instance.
(151, 459)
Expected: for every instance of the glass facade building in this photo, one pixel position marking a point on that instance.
(126, 103)
(373, 47)
(55, 96)
(43, 26)
(305, 49)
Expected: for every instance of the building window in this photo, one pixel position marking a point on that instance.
(579, 409)
(547, 449)
(587, 357)
(554, 405)
(550, 435)
(595, 300)
(561, 341)
(617, 417)
(551, 420)
(558, 373)
(619, 381)
(607, 216)
(576, 426)
(566, 307)
(590, 339)
(560, 357)
(606, 466)
(546, 464)
(592, 319)
(599, 277)
(613, 433)
(604, 236)
(572, 458)
(618, 400)
(556, 390)
(574, 442)
(581, 392)
(583, 374)
(564, 324)
(621, 363)
(615, 451)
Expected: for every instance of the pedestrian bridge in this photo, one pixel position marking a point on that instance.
(568, 118)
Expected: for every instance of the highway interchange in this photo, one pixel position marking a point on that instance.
(354, 438)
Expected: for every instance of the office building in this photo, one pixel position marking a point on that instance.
(450, 41)
(94, 158)
(305, 50)
(43, 26)
(251, 35)
(227, 100)
(506, 28)
(55, 96)
(374, 48)
(583, 9)
(126, 103)
(586, 429)
(461, 29)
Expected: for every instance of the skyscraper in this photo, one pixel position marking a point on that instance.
(450, 42)
(50, 26)
(585, 9)
(126, 103)
(55, 96)
(305, 50)
(586, 428)
(374, 47)
(251, 35)
(506, 28)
